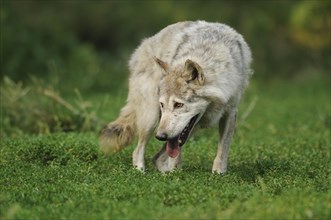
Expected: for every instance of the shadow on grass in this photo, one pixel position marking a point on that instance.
(246, 171)
(250, 171)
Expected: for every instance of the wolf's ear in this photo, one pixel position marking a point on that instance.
(162, 64)
(193, 73)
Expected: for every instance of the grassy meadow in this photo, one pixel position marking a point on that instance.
(279, 167)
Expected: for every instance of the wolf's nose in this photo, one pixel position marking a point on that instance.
(162, 136)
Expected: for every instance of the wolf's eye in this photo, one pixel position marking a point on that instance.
(178, 105)
(161, 104)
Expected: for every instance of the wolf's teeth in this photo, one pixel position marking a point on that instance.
(179, 141)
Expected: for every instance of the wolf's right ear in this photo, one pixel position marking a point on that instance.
(193, 73)
(162, 64)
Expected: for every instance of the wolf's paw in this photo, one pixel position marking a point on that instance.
(165, 164)
(139, 164)
(166, 169)
(169, 165)
(140, 168)
(218, 171)
(218, 167)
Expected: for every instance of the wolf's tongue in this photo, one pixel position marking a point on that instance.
(173, 147)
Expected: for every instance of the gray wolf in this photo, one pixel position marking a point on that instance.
(190, 75)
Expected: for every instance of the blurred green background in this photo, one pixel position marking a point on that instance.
(53, 51)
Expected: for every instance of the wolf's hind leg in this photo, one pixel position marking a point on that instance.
(164, 163)
(227, 126)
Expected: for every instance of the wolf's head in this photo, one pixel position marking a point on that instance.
(180, 103)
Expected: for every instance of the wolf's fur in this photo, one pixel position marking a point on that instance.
(191, 68)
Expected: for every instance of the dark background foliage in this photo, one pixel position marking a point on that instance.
(78, 38)
(84, 45)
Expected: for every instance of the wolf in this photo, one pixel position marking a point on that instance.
(188, 76)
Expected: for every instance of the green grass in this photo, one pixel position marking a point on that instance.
(279, 167)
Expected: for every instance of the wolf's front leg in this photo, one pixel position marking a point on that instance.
(138, 155)
(226, 129)
(164, 163)
(138, 158)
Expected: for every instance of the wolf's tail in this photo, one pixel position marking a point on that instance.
(119, 133)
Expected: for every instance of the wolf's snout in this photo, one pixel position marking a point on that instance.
(161, 136)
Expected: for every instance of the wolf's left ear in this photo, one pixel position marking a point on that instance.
(193, 72)
(162, 64)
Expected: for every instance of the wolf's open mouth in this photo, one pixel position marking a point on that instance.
(178, 141)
